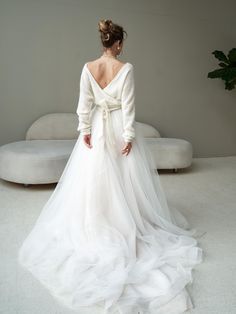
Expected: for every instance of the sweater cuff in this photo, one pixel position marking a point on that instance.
(85, 131)
(128, 137)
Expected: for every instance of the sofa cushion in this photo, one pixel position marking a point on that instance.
(35, 161)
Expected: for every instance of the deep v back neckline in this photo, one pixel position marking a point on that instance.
(117, 74)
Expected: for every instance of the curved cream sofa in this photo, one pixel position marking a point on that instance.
(49, 141)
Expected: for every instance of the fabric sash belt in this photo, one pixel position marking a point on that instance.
(106, 106)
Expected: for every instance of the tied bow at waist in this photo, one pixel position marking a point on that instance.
(106, 106)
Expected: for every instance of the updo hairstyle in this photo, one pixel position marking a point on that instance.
(110, 32)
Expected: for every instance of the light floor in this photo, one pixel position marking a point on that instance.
(205, 193)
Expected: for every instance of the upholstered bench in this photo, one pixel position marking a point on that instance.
(42, 156)
(170, 153)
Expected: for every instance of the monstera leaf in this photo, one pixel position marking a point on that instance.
(227, 72)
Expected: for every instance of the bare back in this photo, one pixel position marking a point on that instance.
(104, 71)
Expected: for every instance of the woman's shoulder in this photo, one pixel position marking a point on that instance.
(97, 62)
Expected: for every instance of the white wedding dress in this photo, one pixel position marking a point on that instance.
(106, 239)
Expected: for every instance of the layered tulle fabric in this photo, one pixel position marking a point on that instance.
(106, 238)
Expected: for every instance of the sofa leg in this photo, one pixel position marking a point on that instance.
(175, 170)
(26, 185)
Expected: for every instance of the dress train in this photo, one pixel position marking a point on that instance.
(106, 238)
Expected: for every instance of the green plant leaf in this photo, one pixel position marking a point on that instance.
(216, 73)
(225, 73)
(230, 85)
(222, 64)
(220, 56)
(232, 55)
(230, 74)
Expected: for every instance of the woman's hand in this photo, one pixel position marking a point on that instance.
(87, 140)
(126, 149)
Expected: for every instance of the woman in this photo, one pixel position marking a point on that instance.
(106, 238)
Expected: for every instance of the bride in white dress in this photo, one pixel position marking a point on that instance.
(106, 239)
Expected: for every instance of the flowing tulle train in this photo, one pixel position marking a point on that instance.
(106, 238)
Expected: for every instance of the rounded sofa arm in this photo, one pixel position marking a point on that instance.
(54, 126)
(146, 130)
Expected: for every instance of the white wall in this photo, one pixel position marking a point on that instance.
(44, 44)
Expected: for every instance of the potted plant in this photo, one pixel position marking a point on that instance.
(227, 72)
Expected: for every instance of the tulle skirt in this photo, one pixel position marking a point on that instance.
(106, 238)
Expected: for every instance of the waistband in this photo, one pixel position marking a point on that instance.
(109, 104)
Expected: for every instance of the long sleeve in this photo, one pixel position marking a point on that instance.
(85, 102)
(128, 106)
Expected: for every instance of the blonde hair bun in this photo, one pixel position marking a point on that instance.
(105, 26)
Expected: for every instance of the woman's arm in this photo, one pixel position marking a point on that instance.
(85, 102)
(128, 106)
